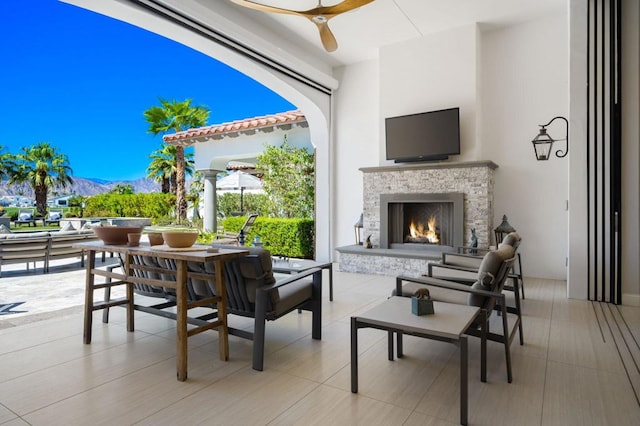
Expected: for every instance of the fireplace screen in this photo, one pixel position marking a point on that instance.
(419, 221)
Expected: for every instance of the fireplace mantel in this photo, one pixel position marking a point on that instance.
(473, 179)
(429, 166)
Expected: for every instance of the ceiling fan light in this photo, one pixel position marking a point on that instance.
(319, 19)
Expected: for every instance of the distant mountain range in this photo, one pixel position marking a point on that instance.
(82, 186)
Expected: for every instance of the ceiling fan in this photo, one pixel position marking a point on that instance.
(320, 15)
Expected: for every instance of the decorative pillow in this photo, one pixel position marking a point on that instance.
(87, 225)
(55, 216)
(485, 282)
(67, 227)
(25, 216)
(5, 230)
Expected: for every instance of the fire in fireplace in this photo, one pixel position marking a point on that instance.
(418, 233)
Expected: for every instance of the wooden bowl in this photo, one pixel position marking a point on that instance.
(180, 239)
(115, 235)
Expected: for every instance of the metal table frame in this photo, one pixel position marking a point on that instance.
(394, 316)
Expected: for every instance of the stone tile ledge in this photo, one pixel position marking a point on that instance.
(389, 262)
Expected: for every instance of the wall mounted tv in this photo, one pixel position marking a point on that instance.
(428, 136)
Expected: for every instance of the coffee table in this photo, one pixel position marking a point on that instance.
(295, 266)
(447, 324)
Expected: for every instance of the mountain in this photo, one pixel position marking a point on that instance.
(82, 186)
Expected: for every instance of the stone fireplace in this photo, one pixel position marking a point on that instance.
(458, 195)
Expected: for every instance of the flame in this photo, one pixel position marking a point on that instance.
(418, 231)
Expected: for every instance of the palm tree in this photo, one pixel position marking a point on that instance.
(163, 167)
(173, 116)
(7, 163)
(43, 167)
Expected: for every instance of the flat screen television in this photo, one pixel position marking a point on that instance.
(427, 136)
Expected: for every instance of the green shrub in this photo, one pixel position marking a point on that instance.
(282, 237)
(229, 203)
(152, 205)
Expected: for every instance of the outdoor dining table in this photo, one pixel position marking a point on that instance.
(127, 278)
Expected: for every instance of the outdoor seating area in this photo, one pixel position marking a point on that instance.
(567, 363)
(32, 247)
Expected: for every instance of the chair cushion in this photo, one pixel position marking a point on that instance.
(25, 216)
(287, 297)
(4, 229)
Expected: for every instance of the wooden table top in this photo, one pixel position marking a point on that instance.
(144, 249)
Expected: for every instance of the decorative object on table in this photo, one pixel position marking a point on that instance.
(257, 241)
(241, 237)
(133, 239)
(367, 243)
(421, 303)
(474, 241)
(180, 239)
(115, 235)
(155, 238)
(357, 228)
(543, 142)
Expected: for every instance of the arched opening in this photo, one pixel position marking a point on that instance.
(312, 96)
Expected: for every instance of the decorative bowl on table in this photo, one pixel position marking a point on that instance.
(180, 239)
(115, 235)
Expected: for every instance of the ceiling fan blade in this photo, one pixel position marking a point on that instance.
(326, 36)
(264, 8)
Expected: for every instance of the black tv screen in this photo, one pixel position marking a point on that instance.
(427, 136)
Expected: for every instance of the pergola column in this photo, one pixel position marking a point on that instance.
(210, 211)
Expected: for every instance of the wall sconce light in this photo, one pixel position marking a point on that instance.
(543, 143)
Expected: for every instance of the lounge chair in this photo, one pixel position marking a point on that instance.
(237, 238)
(486, 292)
(53, 216)
(26, 216)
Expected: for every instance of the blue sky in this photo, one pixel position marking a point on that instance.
(81, 81)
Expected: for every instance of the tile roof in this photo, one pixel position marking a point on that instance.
(202, 133)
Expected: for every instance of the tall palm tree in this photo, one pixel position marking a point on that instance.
(7, 163)
(43, 167)
(163, 167)
(174, 116)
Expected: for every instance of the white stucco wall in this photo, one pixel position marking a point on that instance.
(432, 73)
(525, 83)
(355, 119)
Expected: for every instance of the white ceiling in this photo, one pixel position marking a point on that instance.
(360, 33)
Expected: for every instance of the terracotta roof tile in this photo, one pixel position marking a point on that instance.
(272, 120)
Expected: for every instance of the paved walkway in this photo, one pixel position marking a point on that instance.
(27, 296)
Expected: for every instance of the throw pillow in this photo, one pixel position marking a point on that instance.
(55, 216)
(67, 227)
(25, 216)
(5, 230)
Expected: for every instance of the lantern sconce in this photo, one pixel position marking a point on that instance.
(358, 229)
(543, 143)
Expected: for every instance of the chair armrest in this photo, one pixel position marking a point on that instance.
(470, 250)
(467, 275)
(435, 282)
(292, 278)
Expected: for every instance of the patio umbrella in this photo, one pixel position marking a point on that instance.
(239, 180)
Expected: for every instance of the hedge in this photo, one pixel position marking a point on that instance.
(152, 205)
(282, 237)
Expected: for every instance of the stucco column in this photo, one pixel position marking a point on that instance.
(210, 220)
